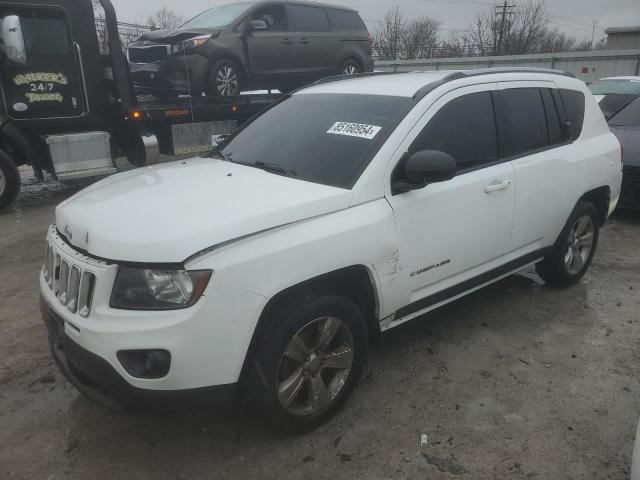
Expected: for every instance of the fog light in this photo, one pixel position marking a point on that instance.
(147, 364)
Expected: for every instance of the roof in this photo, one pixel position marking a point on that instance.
(409, 84)
(631, 29)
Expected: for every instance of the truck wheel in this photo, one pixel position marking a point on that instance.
(9, 180)
(573, 251)
(225, 80)
(350, 67)
(308, 360)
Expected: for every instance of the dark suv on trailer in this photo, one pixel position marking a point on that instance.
(251, 45)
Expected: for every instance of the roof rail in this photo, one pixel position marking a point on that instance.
(338, 78)
(489, 71)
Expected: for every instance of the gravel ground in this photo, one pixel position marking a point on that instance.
(514, 381)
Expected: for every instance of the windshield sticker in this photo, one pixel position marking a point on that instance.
(359, 130)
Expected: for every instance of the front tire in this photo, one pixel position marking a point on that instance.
(309, 358)
(574, 250)
(350, 67)
(225, 80)
(9, 180)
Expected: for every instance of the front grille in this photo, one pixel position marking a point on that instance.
(72, 285)
(153, 54)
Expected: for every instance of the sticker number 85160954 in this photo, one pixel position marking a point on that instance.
(350, 129)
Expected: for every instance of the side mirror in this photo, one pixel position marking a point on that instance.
(424, 167)
(217, 140)
(14, 46)
(257, 26)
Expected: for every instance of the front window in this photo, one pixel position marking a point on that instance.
(217, 17)
(620, 87)
(321, 138)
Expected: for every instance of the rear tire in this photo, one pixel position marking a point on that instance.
(574, 250)
(9, 180)
(226, 79)
(309, 358)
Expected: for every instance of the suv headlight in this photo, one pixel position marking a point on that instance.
(191, 44)
(151, 289)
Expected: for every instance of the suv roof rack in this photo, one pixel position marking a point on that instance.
(338, 78)
(489, 71)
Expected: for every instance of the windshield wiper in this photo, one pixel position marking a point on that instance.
(275, 168)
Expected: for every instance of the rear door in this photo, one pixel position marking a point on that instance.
(47, 81)
(544, 162)
(271, 51)
(315, 45)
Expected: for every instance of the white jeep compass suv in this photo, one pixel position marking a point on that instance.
(344, 210)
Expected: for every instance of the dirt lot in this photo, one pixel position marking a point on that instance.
(515, 381)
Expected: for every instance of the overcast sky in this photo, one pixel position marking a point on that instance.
(572, 16)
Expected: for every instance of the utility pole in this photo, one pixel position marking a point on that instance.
(504, 11)
(593, 32)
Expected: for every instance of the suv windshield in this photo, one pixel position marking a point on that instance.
(321, 138)
(217, 16)
(623, 87)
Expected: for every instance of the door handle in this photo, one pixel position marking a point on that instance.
(497, 185)
(287, 41)
(303, 40)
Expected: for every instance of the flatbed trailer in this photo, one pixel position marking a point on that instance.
(69, 111)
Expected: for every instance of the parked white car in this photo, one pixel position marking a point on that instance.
(349, 208)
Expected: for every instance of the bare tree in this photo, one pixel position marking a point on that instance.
(389, 33)
(164, 19)
(419, 38)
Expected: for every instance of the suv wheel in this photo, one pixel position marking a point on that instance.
(309, 360)
(574, 250)
(9, 180)
(225, 80)
(350, 67)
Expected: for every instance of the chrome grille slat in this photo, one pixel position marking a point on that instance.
(70, 283)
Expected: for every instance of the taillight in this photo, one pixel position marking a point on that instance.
(370, 40)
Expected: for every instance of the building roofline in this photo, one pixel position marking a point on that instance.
(629, 29)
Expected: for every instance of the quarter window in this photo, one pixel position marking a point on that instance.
(573, 101)
(465, 128)
(345, 20)
(309, 19)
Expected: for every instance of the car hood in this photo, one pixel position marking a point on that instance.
(629, 138)
(172, 36)
(166, 213)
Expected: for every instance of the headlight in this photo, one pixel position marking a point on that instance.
(150, 289)
(190, 45)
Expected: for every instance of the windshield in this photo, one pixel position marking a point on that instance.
(217, 16)
(624, 87)
(321, 138)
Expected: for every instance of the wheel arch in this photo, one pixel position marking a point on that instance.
(355, 282)
(15, 144)
(600, 197)
(353, 57)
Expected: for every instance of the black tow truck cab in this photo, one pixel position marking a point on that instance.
(69, 111)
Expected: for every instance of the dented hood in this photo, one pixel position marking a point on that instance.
(166, 213)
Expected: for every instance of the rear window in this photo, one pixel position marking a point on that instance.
(622, 87)
(629, 116)
(527, 119)
(345, 20)
(308, 19)
(573, 101)
(321, 138)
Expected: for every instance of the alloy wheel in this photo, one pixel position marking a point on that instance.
(315, 366)
(579, 244)
(227, 81)
(350, 69)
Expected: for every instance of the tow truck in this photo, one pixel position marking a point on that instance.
(69, 110)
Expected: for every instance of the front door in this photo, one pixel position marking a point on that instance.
(44, 80)
(454, 231)
(270, 51)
